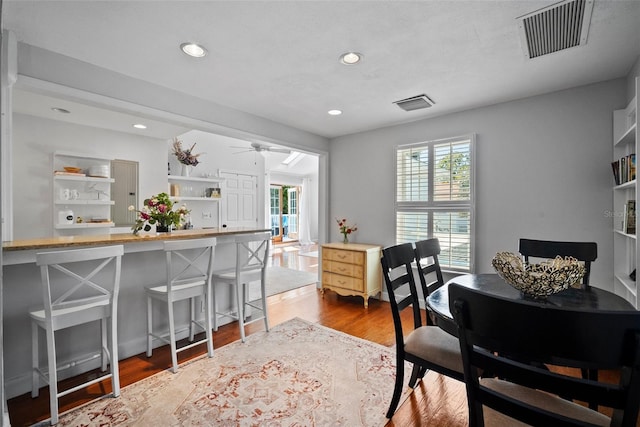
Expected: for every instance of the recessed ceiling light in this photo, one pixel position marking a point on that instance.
(334, 112)
(193, 49)
(60, 110)
(350, 58)
(139, 126)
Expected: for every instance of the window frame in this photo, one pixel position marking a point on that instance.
(433, 206)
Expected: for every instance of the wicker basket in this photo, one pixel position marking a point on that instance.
(538, 280)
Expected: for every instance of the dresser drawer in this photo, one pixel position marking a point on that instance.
(349, 257)
(351, 270)
(344, 282)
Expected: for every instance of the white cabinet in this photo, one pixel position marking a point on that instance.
(625, 242)
(199, 192)
(81, 193)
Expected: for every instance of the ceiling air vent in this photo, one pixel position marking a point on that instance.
(415, 103)
(557, 27)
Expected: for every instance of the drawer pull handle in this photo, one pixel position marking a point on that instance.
(341, 256)
(342, 269)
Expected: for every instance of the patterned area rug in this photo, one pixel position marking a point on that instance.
(298, 374)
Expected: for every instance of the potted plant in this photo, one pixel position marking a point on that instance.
(158, 211)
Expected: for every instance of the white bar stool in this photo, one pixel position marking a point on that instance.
(252, 251)
(189, 266)
(73, 297)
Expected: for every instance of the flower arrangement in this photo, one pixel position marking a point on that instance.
(158, 210)
(186, 157)
(345, 229)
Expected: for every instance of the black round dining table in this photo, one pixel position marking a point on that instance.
(592, 298)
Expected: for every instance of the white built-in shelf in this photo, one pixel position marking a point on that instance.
(84, 225)
(82, 156)
(629, 284)
(626, 247)
(626, 185)
(84, 202)
(82, 178)
(628, 137)
(189, 198)
(87, 204)
(630, 236)
(193, 179)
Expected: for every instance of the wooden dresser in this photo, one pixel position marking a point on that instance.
(351, 269)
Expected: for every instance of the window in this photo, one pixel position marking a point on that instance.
(435, 197)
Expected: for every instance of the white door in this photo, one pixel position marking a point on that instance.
(292, 231)
(239, 204)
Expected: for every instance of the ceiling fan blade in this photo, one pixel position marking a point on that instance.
(279, 150)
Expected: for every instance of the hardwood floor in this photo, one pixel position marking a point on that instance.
(437, 401)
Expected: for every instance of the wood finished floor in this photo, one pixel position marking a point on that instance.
(437, 401)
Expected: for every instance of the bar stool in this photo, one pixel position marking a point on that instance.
(189, 266)
(252, 251)
(74, 297)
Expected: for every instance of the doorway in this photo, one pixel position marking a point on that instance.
(124, 192)
(284, 212)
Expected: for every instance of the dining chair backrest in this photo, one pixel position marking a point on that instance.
(490, 327)
(80, 277)
(429, 272)
(586, 252)
(401, 287)
(189, 261)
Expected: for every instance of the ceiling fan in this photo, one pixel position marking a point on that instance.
(259, 148)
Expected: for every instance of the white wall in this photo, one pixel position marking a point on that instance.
(34, 139)
(542, 171)
(217, 153)
(631, 79)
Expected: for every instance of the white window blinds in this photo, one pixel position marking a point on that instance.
(434, 197)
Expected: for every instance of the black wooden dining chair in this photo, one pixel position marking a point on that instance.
(548, 249)
(429, 272)
(582, 251)
(426, 347)
(490, 327)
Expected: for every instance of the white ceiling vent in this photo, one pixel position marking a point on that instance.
(557, 27)
(415, 103)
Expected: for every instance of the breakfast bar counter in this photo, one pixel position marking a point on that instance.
(143, 264)
(22, 251)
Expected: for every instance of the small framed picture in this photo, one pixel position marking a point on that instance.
(213, 192)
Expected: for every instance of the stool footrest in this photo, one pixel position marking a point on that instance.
(83, 385)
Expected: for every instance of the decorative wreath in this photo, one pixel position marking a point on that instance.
(538, 280)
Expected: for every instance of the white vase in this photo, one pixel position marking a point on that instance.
(186, 170)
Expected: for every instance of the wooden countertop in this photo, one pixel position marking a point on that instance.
(121, 238)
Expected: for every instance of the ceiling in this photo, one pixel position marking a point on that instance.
(279, 59)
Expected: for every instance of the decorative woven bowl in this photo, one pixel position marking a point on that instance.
(538, 280)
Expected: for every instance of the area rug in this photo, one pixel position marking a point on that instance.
(298, 374)
(280, 279)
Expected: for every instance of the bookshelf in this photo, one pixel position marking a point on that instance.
(625, 195)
